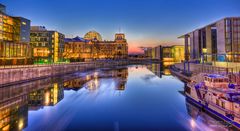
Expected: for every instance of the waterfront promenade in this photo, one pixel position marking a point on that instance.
(194, 69)
(23, 73)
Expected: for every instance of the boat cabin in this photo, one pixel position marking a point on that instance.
(216, 81)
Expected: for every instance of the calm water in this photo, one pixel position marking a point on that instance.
(125, 98)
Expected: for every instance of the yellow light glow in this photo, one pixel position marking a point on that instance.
(88, 77)
(47, 98)
(6, 128)
(95, 74)
(55, 93)
(20, 124)
(167, 72)
(24, 23)
(204, 50)
(168, 63)
(56, 41)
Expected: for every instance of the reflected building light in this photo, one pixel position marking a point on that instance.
(55, 93)
(93, 84)
(47, 100)
(95, 74)
(88, 77)
(192, 123)
(21, 124)
(167, 72)
(96, 82)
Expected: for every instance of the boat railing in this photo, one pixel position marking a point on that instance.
(225, 110)
(198, 78)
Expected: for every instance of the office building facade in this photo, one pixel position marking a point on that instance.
(48, 46)
(174, 53)
(218, 41)
(14, 39)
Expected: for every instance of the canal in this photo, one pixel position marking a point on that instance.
(144, 97)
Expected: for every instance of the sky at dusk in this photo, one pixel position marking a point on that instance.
(145, 22)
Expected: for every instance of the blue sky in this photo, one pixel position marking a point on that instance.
(145, 22)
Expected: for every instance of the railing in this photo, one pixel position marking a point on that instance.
(40, 65)
(15, 74)
(72, 63)
(225, 110)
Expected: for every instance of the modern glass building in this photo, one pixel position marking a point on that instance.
(218, 41)
(174, 53)
(14, 39)
(48, 46)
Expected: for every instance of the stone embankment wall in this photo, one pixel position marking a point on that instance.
(15, 75)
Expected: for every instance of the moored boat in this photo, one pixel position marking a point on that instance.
(217, 95)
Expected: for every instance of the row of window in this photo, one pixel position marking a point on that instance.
(45, 34)
(14, 50)
(9, 36)
(44, 39)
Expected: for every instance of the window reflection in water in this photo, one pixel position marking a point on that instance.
(17, 100)
(160, 69)
(93, 81)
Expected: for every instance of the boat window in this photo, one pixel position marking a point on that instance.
(217, 102)
(220, 80)
(223, 104)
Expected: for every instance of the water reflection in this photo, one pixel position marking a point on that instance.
(14, 113)
(48, 96)
(92, 81)
(89, 101)
(159, 69)
(15, 101)
(200, 120)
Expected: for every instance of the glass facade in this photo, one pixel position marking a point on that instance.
(12, 50)
(228, 35)
(48, 46)
(222, 43)
(232, 38)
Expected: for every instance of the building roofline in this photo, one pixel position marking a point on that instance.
(211, 24)
(21, 18)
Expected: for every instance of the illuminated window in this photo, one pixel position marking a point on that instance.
(24, 23)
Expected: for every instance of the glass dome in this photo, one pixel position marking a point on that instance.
(93, 35)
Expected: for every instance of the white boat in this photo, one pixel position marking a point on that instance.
(217, 95)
